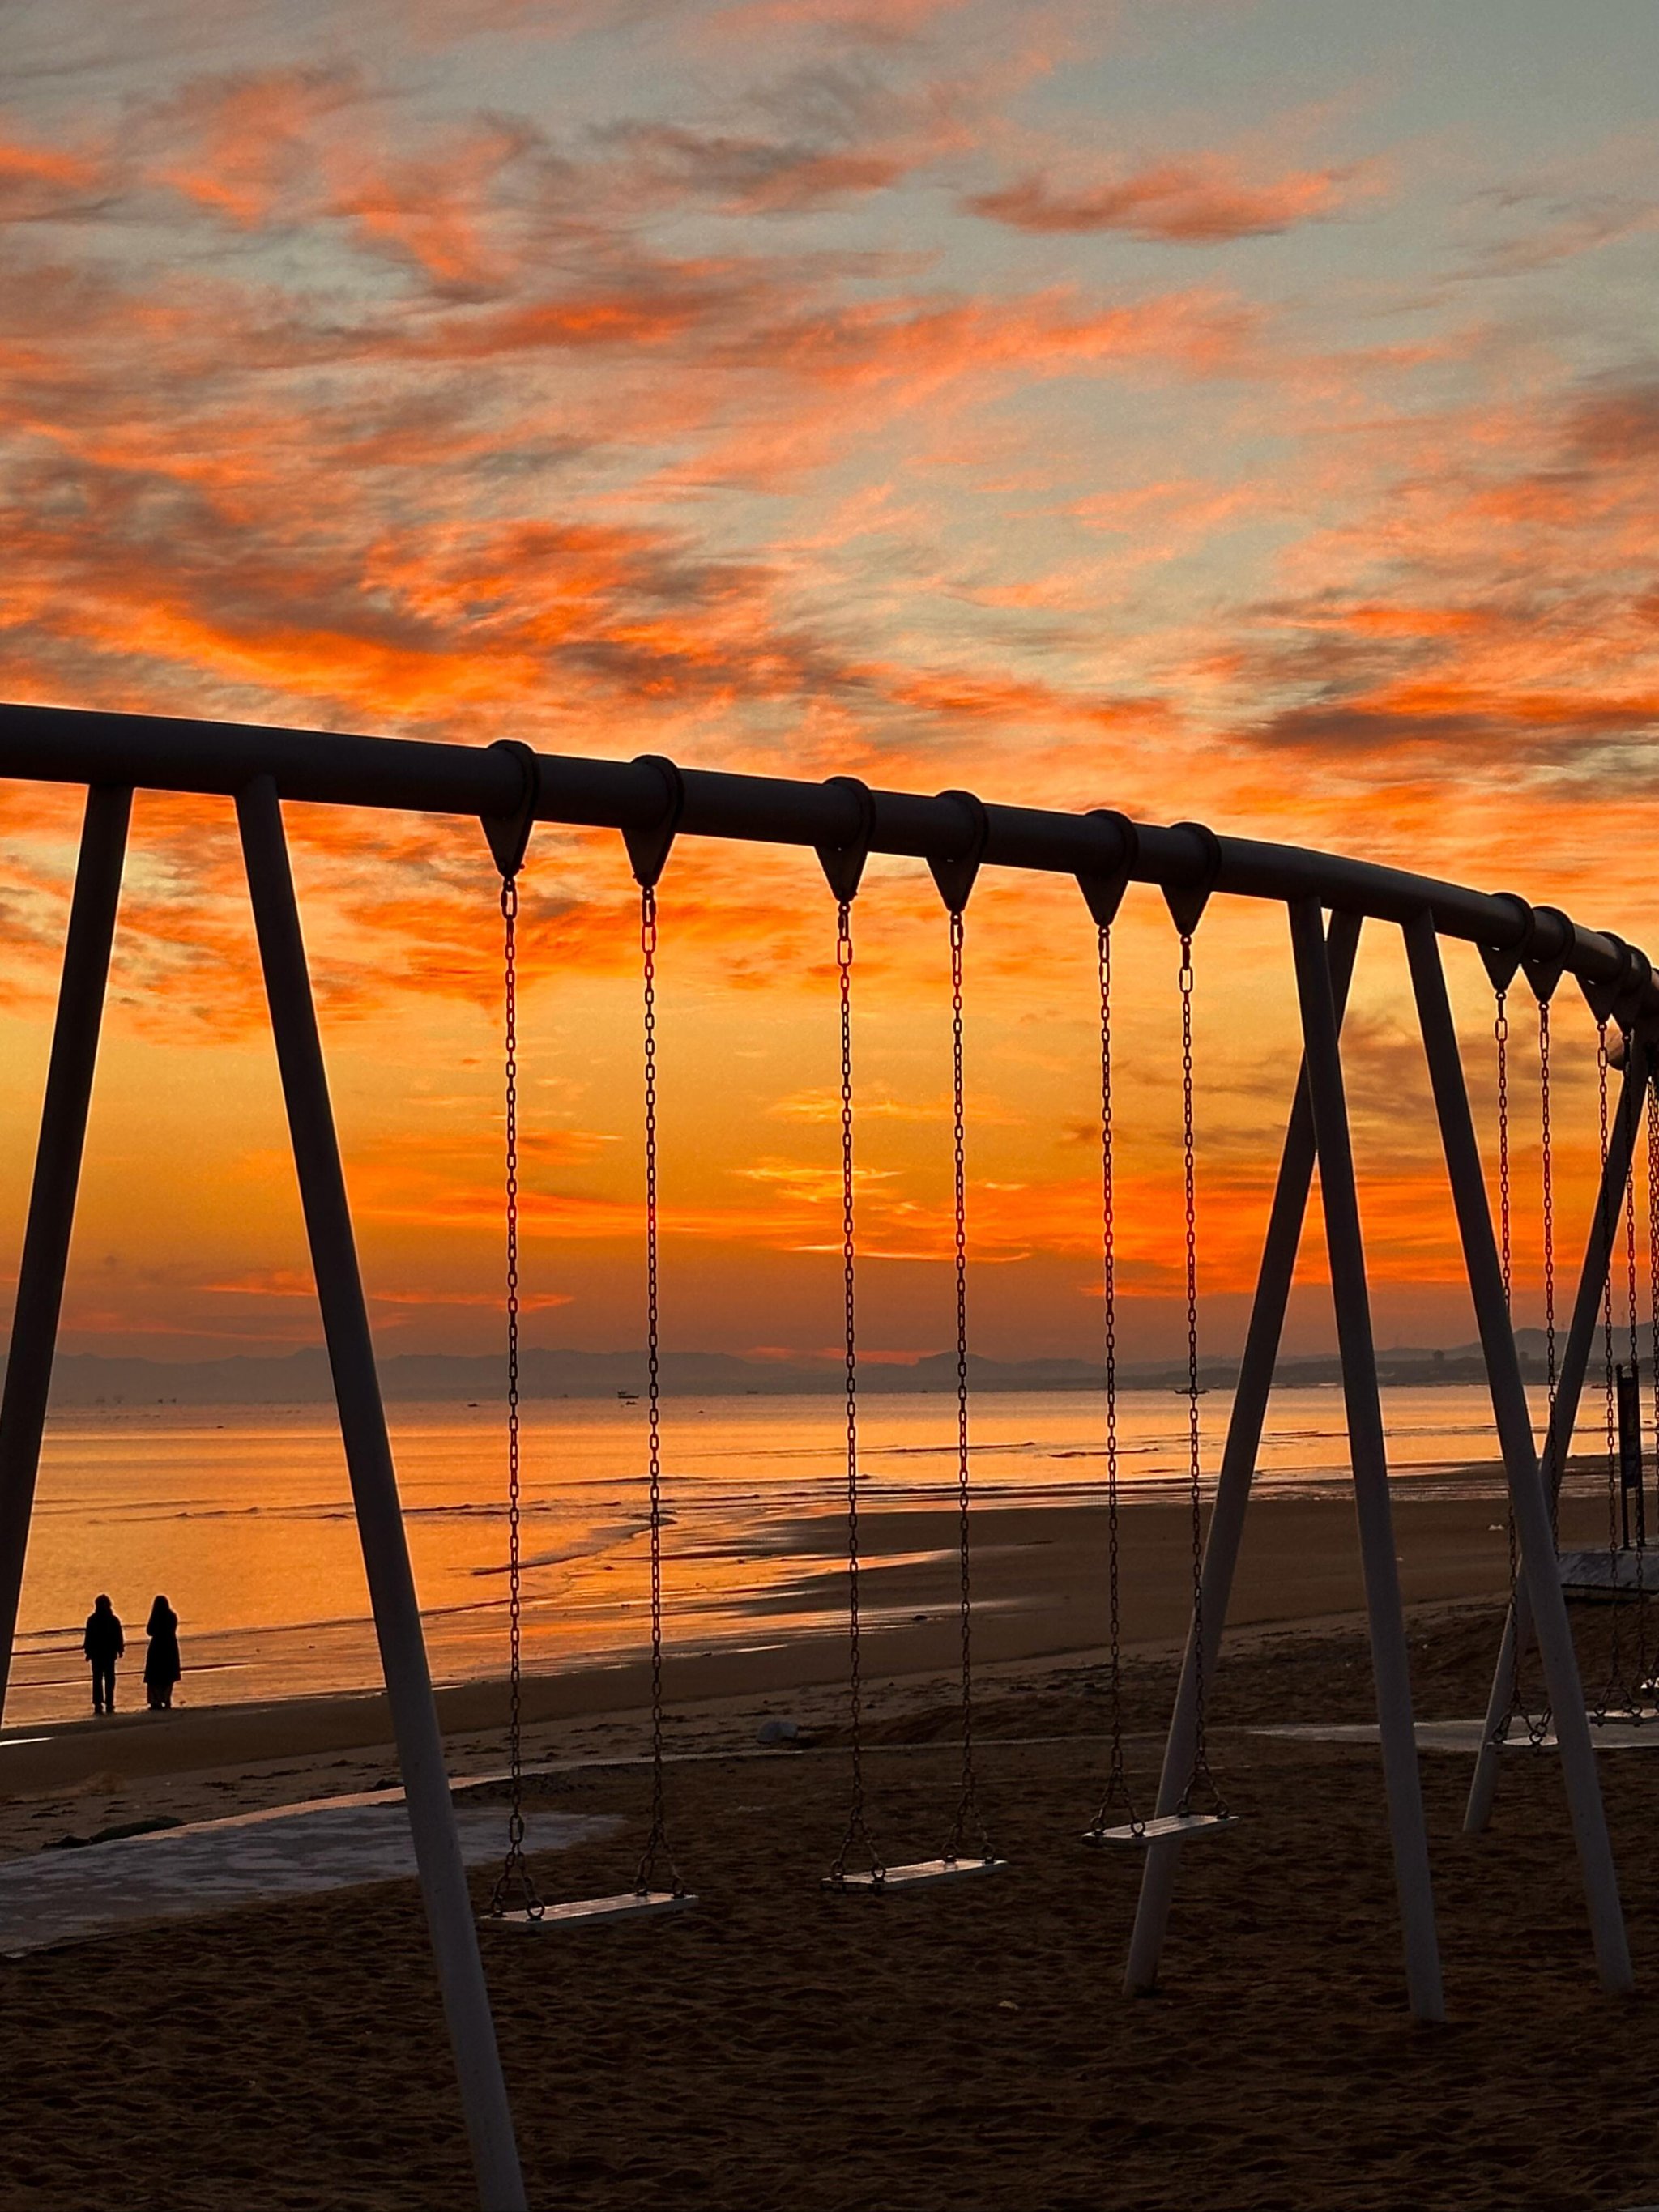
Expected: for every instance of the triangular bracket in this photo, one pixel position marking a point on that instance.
(509, 834)
(844, 864)
(954, 877)
(1644, 1038)
(1602, 999)
(1633, 988)
(1103, 887)
(648, 848)
(1501, 963)
(1187, 901)
(1543, 974)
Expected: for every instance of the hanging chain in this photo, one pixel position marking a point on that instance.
(1546, 1175)
(857, 1834)
(968, 1813)
(515, 1880)
(1501, 1038)
(1615, 1695)
(1500, 1031)
(1647, 1685)
(657, 1839)
(1633, 1332)
(1538, 1723)
(1644, 1668)
(1201, 1780)
(1118, 1793)
(1653, 1255)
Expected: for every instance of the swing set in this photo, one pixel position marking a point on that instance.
(510, 788)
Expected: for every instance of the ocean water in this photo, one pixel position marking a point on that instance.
(242, 1516)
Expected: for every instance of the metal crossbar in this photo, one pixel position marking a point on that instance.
(62, 744)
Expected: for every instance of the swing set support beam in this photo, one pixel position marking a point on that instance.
(56, 1184)
(375, 1495)
(1232, 1496)
(1368, 1452)
(1527, 1496)
(1518, 1623)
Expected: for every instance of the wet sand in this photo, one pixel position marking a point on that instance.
(1039, 1588)
(968, 2046)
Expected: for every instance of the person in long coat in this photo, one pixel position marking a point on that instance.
(162, 1666)
(103, 1644)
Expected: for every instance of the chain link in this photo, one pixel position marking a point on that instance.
(515, 1880)
(1118, 1795)
(857, 1836)
(967, 1813)
(1200, 1782)
(657, 1840)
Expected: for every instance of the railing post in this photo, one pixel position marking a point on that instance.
(374, 1495)
(57, 1182)
(1232, 1496)
(1563, 1418)
(1368, 1452)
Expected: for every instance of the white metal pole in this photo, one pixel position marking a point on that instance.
(374, 1495)
(1528, 1501)
(1232, 1496)
(1563, 1418)
(1369, 1454)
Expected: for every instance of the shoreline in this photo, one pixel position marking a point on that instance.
(1039, 1575)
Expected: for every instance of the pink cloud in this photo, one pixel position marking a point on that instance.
(1199, 201)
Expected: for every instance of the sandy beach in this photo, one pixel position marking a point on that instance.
(1039, 1591)
(776, 2047)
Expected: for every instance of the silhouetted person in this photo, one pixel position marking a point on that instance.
(162, 1666)
(103, 1644)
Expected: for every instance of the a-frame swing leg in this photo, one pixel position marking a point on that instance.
(1367, 1454)
(1526, 1497)
(1563, 1418)
(56, 1180)
(375, 1495)
(1232, 1496)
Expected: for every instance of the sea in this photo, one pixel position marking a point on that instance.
(242, 1518)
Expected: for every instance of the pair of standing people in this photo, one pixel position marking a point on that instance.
(106, 1642)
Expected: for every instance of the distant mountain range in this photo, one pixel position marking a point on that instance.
(302, 1378)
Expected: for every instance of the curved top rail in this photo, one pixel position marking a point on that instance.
(64, 744)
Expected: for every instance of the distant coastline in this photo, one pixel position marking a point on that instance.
(299, 1378)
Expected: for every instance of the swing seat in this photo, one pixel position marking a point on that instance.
(589, 1912)
(1628, 1572)
(913, 1877)
(1617, 1732)
(1168, 1828)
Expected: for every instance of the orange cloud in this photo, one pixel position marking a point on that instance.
(737, 426)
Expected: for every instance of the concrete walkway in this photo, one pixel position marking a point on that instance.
(1614, 1734)
(286, 1850)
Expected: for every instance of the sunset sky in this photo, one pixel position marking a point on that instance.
(1240, 411)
